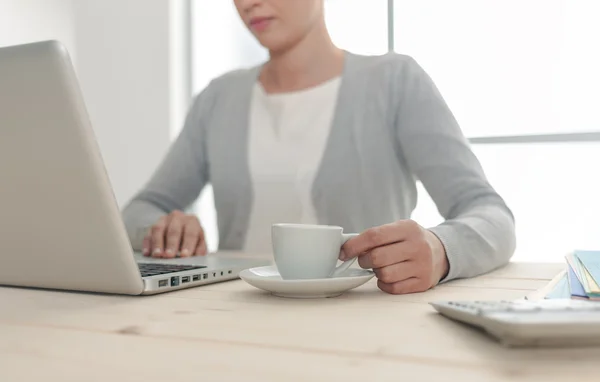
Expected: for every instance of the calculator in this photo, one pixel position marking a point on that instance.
(528, 323)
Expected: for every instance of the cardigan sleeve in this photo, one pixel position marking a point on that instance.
(478, 232)
(180, 177)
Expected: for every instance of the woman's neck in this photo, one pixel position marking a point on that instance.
(310, 62)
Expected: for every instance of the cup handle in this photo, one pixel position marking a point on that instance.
(346, 264)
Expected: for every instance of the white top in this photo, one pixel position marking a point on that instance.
(288, 135)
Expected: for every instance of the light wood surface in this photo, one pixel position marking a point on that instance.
(233, 332)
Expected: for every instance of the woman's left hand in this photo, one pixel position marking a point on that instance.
(405, 257)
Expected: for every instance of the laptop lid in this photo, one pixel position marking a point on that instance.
(60, 225)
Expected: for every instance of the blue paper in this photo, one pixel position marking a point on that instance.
(591, 262)
(561, 289)
(574, 285)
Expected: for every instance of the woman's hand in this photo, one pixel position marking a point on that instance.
(176, 233)
(405, 257)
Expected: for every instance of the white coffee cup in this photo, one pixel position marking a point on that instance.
(304, 251)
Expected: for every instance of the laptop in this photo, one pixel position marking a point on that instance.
(60, 225)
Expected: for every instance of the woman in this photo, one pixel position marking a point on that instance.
(319, 135)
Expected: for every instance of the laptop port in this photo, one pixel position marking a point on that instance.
(214, 274)
(229, 271)
(205, 276)
(185, 279)
(163, 283)
(221, 273)
(174, 281)
(196, 278)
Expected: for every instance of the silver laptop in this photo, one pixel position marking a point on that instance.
(60, 225)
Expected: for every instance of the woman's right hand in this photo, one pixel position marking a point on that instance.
(173, 234)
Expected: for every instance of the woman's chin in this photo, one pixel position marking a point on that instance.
(273, 43)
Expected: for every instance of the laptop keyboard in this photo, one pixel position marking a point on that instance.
(153, 269)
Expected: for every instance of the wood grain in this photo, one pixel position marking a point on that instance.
(231, 331)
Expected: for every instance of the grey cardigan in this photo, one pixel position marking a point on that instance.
(391, 128)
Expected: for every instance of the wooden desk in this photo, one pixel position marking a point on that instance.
(233, 332)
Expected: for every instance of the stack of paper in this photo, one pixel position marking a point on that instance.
(584, 274)
(580, 278)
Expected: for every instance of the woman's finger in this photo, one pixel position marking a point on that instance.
(387, 255)
(201, 249)
(397, 272)
(173, 235)
(191, 236)
(146, 243)
(412, 285)
(158, 237)
(387, 234)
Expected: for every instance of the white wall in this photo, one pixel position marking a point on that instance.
(124, 50)
(25, 21)
(128, 55)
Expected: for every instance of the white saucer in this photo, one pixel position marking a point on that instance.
(268, 279)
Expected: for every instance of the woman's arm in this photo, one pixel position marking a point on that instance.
(178, 180)
(478, 233)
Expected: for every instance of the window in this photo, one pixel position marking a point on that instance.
(510, 67)
(520, 76)
(357, 25)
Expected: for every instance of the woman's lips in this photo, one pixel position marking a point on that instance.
(259, 24)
